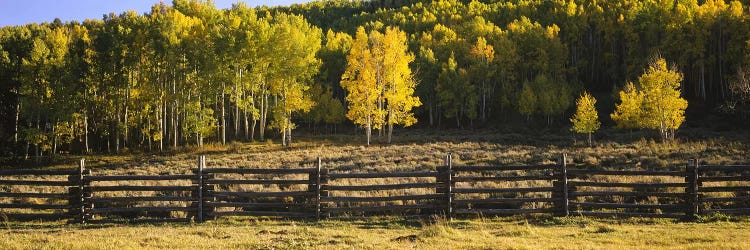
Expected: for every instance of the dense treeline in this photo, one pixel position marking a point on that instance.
(166, 78)
(190, 71)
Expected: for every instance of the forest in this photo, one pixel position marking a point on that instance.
(186, 72)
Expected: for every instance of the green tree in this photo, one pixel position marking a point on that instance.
(199, 121)
(296, 44)
(482, 55)
(327, 109)
(527, 101)
(457, 96)
(586, 118)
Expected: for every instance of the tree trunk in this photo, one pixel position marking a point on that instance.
(36, 150)
(174, 126)
(54, 138)
(86, 132)
(368, 131)
(254, 117)
(117, 132)
(390, 132)
(15, 124)
(172, 115)
(590, 142)
(127, 101)
(162, 123)
(223, 117)
(252, 129)
(149, 139)
(247, 126)
(28, 145)
(263, 116)
(236, 121)
(380, 108)
(289, 131)
(431, 116)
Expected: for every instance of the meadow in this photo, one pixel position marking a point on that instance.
(383, 233)
(425, 149)
(415, 150)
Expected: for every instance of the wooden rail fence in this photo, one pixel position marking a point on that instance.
(81, 196)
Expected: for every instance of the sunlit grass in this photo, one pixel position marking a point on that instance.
(385, 233)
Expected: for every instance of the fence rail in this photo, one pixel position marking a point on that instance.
(81, 196)
(115, 198)
(55, 202)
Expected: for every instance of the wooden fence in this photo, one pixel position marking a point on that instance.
(112, 198)
(57, 200)
(81, 196)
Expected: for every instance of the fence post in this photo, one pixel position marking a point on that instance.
(323, 192)
(691, 178)
(317, 190)
(448, 182)
(562, 184)
(201, 165)
(208, 208)
(86, 193)
(81, 167)
(75, 199)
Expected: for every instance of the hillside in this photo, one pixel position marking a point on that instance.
(186, 73)
(425, 149)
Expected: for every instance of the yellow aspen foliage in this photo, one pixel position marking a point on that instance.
(378, 80)
(297, 43)
(628, 111)
(398, 80)
(586, 118)
(360, 83)
(482, 52)
(655, 104)
(663, 108)
(482, 55)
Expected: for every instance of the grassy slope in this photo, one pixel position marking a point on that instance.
(420, 149)
(414, 150)
(507, 233)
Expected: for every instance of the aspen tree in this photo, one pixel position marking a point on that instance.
(586, 118)
(398, 80)
(359, 82)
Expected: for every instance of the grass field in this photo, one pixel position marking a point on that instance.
(413, 151)
(423, 149)
(503, 233)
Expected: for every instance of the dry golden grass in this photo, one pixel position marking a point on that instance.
(506, 233)
(420, 150)
(413, 151)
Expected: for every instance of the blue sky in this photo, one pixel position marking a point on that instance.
(17, 12)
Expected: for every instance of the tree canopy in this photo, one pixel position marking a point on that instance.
(188, 71)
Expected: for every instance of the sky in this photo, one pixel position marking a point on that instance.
(18, 12)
